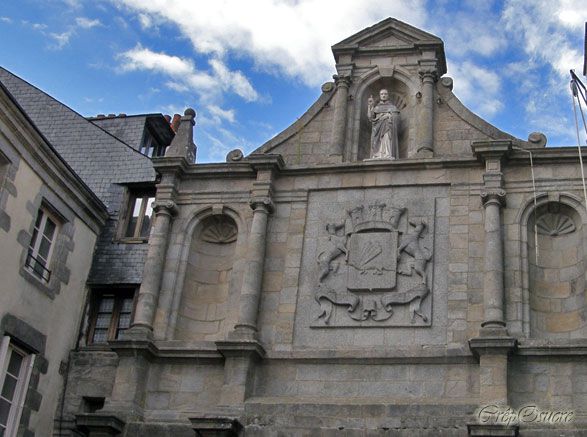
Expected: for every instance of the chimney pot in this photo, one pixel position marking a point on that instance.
(175, 122)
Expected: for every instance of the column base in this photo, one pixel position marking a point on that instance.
(424, 153)
(138, 332)
(492, 430)
(246, 333)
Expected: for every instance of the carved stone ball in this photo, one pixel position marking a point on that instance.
(327, 87)
(190, 112)
(447, 82)
(234, 155)
(537, 139)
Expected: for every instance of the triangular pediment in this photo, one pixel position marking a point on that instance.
(388, 33)
(389, 36)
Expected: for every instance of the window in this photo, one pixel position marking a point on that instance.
(140, 212)
(42, 244)
(112, 314)
(15, 371)
(150, 148)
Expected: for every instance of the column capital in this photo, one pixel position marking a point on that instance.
(165, 207)
(342, 81)
(263, 204)
(428, 73)
(493, 196)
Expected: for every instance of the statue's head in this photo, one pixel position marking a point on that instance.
(383, 95)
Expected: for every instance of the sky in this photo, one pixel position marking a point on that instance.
(251, 68)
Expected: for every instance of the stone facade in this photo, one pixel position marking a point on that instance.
(40, 315)
(308, 289)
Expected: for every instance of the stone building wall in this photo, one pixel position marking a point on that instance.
(304, 333)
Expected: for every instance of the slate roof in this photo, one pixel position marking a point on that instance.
(129, 129)
(98, 157)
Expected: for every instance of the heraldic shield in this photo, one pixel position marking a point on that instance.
(358, 267)
(372, 261)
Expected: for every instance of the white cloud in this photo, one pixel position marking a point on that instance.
(61, 39)
(572, 13)
(86, 23)
(294, 41)
(140, 58)
(222, 114)
(474, 29)
(478, 87)
(145, 21)
(7, 20)
(541, 29)
(185, 76)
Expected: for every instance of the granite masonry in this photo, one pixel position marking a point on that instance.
(390, 264)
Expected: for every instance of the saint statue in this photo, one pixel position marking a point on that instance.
(384, 117)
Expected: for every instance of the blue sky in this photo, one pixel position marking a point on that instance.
(250, 68)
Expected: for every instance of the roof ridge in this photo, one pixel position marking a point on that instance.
(72, 111)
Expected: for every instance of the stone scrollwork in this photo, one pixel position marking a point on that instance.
(359, 264)
(497, 195)
(262, 203)
(165, 207)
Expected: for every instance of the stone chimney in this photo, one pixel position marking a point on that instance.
(183, 142)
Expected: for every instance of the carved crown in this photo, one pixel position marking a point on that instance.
(369, 217)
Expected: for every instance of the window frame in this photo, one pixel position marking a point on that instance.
(120, 294)
(36, 241)
(150, 147)
(144, 194)
(7, 347)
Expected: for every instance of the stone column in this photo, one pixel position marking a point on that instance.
(340, 114)
(153, 270)
(493, 345)
(428, 75)
(253, 278)
(493, 291)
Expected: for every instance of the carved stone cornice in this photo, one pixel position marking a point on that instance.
(342, 81)
(165, 207)
(492, 153)
(493, 196)
(262, 204)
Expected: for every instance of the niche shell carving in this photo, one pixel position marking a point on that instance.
(369, 250)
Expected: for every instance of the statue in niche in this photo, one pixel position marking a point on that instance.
(384, 117)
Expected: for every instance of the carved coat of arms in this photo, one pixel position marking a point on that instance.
(365, 254)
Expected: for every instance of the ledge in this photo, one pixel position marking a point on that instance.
(239, 348)
(153, 350)
(492, 430)
(492, 345)
(560, 348)
(215, 426)
(99, 424)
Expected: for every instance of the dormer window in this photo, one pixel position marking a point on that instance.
(137, 222)
(150, 147)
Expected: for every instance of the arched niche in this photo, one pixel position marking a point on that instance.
(556, 259)
(205, 296)
(402, 94)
